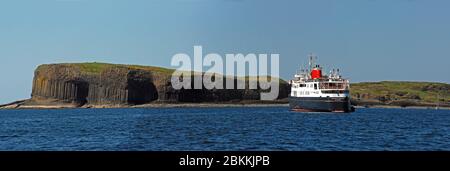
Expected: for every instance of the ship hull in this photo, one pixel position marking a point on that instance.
(320, 104)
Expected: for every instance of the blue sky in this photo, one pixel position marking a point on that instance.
(370, 40)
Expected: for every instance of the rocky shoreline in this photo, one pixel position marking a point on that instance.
(22, 105)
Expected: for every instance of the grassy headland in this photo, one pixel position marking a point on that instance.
(401, 93)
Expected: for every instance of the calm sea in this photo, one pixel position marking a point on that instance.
(271, 128)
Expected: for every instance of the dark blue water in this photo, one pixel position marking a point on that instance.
(223, 129)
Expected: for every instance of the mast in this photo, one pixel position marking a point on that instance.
(312, 57)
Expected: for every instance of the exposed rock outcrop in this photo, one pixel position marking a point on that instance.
(93, 84)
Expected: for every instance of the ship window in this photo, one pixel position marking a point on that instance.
(335, 91)
(315, 86)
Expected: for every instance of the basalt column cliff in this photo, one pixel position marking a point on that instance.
(96, 84)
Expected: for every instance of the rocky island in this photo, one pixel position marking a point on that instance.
(102, 85)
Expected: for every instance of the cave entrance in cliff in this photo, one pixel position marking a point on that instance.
(81, 92)
(141, 92)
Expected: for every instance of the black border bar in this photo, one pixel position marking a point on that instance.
(276, 159)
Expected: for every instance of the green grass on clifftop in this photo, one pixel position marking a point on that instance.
(92, 67)
(99, 67)
(96, 68)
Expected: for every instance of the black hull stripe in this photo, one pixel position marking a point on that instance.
(320, 104)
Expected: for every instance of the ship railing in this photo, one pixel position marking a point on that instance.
(325, 80)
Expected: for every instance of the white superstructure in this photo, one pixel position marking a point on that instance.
(311, 83)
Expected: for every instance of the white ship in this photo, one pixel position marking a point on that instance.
(312, 91)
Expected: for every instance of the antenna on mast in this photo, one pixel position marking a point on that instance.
(312, 59)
